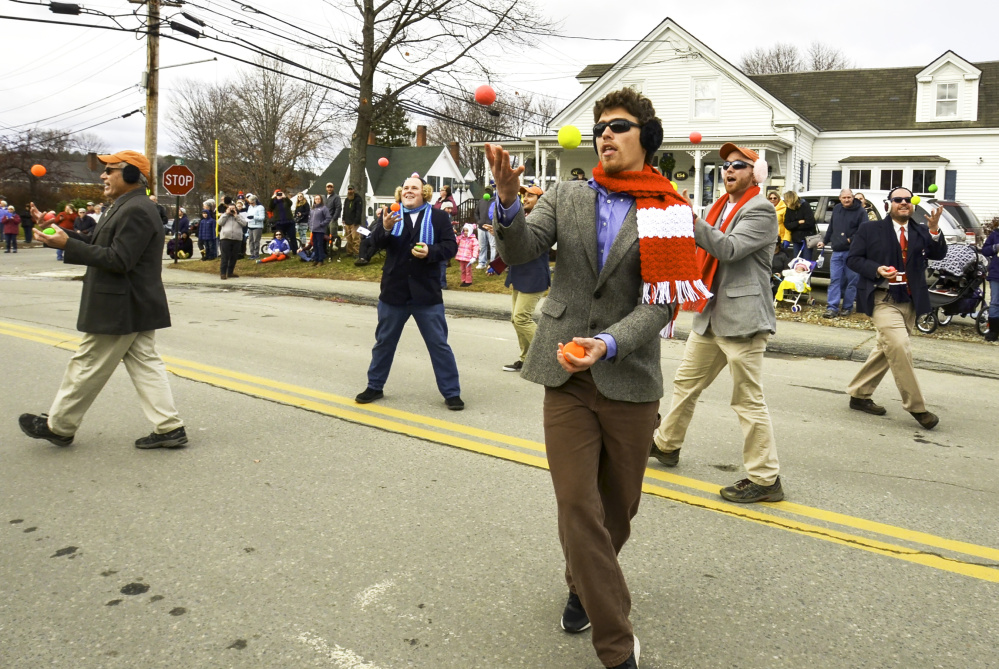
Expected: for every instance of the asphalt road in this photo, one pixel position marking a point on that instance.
(300, 530)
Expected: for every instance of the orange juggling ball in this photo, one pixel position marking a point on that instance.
(574, 349)
(38, 171)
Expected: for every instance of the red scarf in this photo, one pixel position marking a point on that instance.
(707, 263)
(665, 238)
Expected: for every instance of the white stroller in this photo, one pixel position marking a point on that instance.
(795, 286)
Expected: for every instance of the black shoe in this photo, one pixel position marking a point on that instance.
(925, 418)
(37, 427)
(513, 366)
(361, 262)
(867, 406)
(846, 313)
(172, 439)
(632, 661)
(574, 618)
(369, 395)
(666, 458)
(830, 313)
(993, 333)
(747, 492)
(454, 403)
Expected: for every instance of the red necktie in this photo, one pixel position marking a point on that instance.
(905, 254)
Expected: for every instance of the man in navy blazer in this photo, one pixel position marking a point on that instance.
(529, 282)
(416, 239)
(890, 257)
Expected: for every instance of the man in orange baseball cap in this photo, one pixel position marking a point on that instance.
(122, 305)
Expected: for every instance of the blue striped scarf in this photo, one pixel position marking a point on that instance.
(426, 226)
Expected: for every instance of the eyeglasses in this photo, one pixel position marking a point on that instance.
(617, 126)
(900, 200)
(735, 165)
(109, 169)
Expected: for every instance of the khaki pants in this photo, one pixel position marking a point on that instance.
(704, 357)
(893, 323)
(521, 317)
(352, 239)
(598, 450)
(92, 365)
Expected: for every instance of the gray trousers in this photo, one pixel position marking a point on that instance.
(253, 236)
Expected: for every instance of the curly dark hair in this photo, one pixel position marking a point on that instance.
(632, 102)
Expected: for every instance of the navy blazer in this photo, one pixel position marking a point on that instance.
(406, 278)
(876, 245)
(530, 277)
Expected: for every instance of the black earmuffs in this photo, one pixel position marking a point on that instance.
(651, 138)
(130, 174)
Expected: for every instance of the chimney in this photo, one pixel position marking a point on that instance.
(421, 135)
(453, 148)
(371, 138)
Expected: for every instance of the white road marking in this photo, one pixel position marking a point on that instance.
(368, 596)
(342, 658)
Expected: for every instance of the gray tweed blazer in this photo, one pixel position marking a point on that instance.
(742, 305)
(583, 302)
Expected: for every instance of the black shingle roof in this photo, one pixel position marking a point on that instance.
(875, 99)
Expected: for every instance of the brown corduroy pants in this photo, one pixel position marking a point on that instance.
(598, 450)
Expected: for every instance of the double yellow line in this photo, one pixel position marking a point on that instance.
(958, 557)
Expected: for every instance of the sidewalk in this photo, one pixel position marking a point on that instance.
(801, 339)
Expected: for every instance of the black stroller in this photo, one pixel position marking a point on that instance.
(956, 286)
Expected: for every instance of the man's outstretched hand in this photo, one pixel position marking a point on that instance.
(507, 178)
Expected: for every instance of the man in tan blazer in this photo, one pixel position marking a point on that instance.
(733, 327)
(601, 406)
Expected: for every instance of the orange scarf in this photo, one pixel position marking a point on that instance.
(707, 263)
(665, 238)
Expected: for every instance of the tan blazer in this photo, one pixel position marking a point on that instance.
(583, 302)
(742, 305)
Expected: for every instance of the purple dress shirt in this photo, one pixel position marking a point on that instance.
(612, 208)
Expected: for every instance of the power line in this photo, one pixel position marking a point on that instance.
(101, 101)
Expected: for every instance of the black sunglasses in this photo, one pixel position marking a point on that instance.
(900, 200)
(735, 165)
(617, 126)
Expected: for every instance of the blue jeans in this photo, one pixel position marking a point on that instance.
(59, 254)
(994, 299)
(211, 248)
(444, 274)
(842, 282)
(319, 246)
(433, 327)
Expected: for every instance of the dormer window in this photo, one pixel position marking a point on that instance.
(706, 98)
(946, 100)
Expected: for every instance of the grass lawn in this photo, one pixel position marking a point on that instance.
(343, 270)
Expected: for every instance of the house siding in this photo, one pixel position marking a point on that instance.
(975, 182)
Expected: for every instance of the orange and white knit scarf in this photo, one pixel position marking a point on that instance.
(665, 238)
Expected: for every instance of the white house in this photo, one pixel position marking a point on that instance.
(866, 128)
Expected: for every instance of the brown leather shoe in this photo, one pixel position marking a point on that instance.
(867, 406)
(927, 419)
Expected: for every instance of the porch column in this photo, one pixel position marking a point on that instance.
(763, 155)
(537, 163)
(486, 173)
(698, 177)
(544, 169)
(558, 166)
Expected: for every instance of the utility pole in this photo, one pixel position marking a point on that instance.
(152, 88)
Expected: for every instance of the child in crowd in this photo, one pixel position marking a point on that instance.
(468, 251)
(279, 249)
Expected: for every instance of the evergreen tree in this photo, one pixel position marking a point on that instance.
(391, 124)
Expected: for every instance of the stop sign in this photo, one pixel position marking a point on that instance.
(178, 180)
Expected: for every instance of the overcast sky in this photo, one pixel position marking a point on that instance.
(49, 69)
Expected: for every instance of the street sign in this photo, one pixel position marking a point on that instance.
(178, 180)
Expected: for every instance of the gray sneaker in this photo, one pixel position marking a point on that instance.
(172, 439)
(747, 492)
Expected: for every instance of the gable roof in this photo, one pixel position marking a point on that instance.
(403, 161)
(874, 99)
(603, 75)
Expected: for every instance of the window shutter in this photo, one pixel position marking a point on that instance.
(837, 179)
(950, 184)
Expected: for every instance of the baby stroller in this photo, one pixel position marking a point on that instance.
(956, 289)
(795, 284)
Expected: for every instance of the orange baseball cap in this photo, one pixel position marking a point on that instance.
(130, 157)
(534, 190)
(730, 147)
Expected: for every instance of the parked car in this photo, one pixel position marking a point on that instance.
(958, 222)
